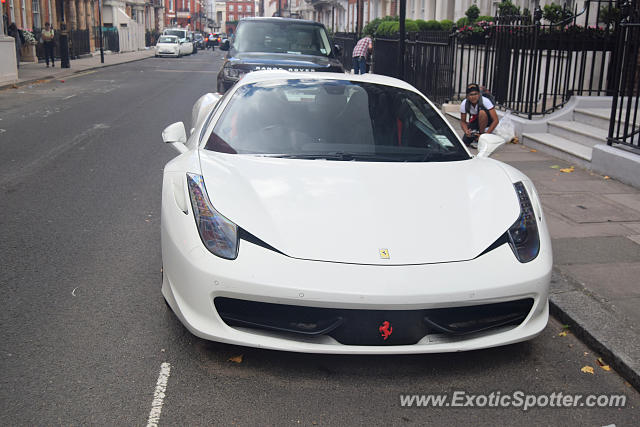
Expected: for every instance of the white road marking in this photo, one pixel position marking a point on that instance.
(67, 97)
(73, 292)
(159, 395)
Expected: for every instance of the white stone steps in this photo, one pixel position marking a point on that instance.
(558, 146)
(581, 133)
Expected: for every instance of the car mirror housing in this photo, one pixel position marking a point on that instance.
(337, 49)
(201, 107)
(488, 143)
(174, 133)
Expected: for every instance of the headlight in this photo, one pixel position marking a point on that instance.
(218, 234)
(523, 234)
(231, 73)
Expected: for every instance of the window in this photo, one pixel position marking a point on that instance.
(35, 10)
(239, 8)
(171, 5)
(248, 8)
(369, 122)
(231, 8)
(232, 17)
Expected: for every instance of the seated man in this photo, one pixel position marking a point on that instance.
(482, 115)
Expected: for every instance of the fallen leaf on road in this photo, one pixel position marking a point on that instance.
(565, 326)
(602, 364)
(562, 334)
(236, 359)
(534, 151)
(587, 370)
(567, 170)
(606, 177)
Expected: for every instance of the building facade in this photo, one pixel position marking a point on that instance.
(236, 10)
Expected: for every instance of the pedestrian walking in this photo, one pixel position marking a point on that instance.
(49, 44)
(14, 32)
(360, 53)
(482, 115)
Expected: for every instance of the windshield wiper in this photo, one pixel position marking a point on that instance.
(338, 155)
(442, 157)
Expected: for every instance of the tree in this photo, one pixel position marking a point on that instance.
(506, 8)
(472, 13)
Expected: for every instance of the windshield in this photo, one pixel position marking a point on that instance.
(282, 37)
(167, 40)
(333, 120)
(180, 33)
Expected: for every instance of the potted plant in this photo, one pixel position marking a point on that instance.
(28, 51)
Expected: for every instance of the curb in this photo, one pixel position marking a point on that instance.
(66, 74)
(597, 325)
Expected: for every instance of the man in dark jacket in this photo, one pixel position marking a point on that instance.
(19, 40)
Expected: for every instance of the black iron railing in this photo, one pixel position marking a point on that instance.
(624, 127)
(346, 41)
(110, 38)
(428, 63)
(79, 43)
(534, 68)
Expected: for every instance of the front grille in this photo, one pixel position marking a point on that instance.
(371, 327)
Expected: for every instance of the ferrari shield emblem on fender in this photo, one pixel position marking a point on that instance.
(385, 330)
(384, 253)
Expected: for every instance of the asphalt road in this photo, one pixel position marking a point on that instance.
(85, 329)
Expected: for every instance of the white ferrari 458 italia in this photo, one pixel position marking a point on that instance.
(332, 213)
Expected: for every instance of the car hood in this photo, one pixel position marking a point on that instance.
(252, 61)
(345, 211)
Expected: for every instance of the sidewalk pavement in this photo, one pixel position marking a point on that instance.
(30, 72)
(594, 223)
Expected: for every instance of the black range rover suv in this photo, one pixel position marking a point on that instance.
(276, 43)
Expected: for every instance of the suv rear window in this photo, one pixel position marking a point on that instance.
(282, 37)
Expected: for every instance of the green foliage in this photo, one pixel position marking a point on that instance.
(554, 13)
(371, 28)
(462, 22)
(433, 25)
(391, 28)
(486, 18)
(446, 25)
(422, 24)
(507, 8)
(472, 13)
(387, 28)
(609, 15)
(411, 26)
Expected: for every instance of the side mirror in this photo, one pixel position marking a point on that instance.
(488, 143)
(202, 106)
(337, 49)
(174, 133)
(225, 44)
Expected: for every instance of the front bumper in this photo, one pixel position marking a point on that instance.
(168, 53)
(194, 280)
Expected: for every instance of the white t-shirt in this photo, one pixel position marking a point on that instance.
(474, 109)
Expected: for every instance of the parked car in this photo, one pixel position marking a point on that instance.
(168, 46)
(276, 43)
(199, 41)
(319, 212)
(186, 44)
(194, 44)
